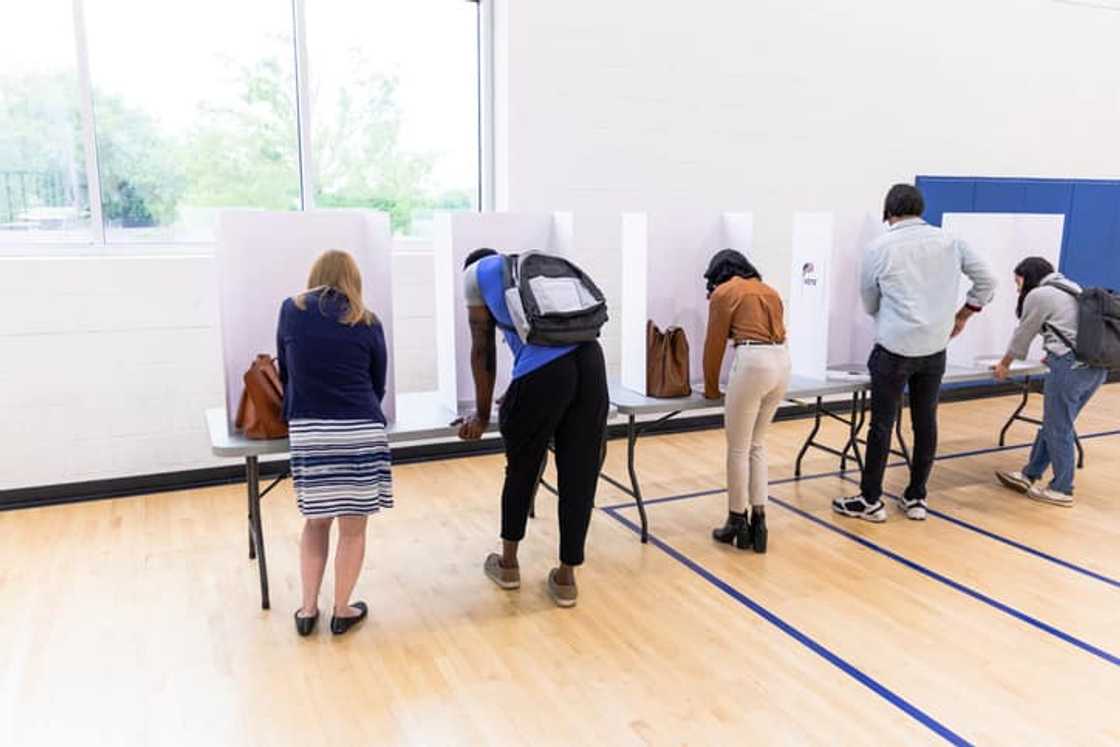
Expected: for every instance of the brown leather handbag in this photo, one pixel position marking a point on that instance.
(666, 362)
(260, 414)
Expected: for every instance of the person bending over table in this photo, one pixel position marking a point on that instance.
(557, 394)
(1048, 306)
(744, 309)
(908, 282)
(332, 360)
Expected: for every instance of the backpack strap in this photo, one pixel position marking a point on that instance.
(1061, 336)
(1062, 287)
(509, 280)
(1054, 330)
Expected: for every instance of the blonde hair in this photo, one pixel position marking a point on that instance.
(336, 270)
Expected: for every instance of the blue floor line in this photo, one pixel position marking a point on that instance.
(1008, 541)
(956, 585)
(841, 473)
(843, 665)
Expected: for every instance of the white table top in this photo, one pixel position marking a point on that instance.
(422, 419)
(629, 402)
(954, 374)
(425, 419)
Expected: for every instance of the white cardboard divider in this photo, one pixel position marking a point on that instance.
(635, 300)
(810, 278)
(1005, 239)
(851, 333)
(456, 236)
(664, 257)
(264, 257)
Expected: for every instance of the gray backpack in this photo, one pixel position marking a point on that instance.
(552, 301)
(1098, 327)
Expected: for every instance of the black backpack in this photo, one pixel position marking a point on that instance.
(552, 301)
(1098, 327)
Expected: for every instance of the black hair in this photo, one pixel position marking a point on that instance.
(1032, 270)
(903, 201)
(727, 264)
(476, 255)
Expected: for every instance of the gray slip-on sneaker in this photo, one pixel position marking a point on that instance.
(564, 595)
(506, 578)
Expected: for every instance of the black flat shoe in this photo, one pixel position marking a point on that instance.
(730, 532)
(758, 532)
(305, 626)
(340, 625)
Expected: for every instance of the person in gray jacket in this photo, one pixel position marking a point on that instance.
(1048, 306)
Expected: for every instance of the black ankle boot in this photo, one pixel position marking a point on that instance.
(758, 530)
(736, 525)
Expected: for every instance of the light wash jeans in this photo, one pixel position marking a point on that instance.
(1067, 389)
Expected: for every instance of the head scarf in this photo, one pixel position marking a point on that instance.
(727, 264)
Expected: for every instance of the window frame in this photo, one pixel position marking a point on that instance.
(94, 241)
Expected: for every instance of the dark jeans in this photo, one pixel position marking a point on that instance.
(566, 402)
(890, 374)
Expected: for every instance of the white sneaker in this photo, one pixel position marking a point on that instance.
(859, 507)
(1051, 496)
(915, 510)
(1016, 481)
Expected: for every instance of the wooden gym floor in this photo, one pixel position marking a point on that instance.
(997, 621)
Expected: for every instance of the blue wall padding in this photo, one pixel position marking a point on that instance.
(1091, 240)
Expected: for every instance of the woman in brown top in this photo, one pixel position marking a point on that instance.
(747, 311)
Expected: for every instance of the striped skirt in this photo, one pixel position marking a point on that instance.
(340, 467)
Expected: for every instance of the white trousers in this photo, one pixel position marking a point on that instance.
(759, 379)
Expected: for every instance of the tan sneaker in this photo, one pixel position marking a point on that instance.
(1053, 497)
(564, 595)
(506, 578)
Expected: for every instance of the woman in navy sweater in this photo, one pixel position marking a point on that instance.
(332, 361)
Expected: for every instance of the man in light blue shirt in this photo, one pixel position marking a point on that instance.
(909, 283)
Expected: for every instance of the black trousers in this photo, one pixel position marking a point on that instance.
(566, 402)
(890, 374)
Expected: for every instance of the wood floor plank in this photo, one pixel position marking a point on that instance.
(137, 620)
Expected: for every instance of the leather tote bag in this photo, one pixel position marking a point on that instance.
(260, 414)
(666, 362)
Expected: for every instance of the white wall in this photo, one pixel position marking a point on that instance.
(105, 366)
(604, 107)
(775, 106)
(107, 363)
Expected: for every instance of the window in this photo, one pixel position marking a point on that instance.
(194, 120)
(131, 120)
(394, 107)
(43, 186)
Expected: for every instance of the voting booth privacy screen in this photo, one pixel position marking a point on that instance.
(664, 256)
(457, 235)
(1004, 240)
(265, 257)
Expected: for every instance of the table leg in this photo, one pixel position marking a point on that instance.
(859, 409)
(631, 443)
(249, 523)
(253, 480)
(1018, 411)
(809, 440)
